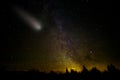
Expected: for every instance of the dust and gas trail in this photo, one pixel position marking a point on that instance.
(29, 19)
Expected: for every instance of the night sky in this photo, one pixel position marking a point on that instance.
(55, 35)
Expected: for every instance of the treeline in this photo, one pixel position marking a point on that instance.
(112, 73)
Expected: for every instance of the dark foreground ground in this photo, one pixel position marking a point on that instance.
(111, 74)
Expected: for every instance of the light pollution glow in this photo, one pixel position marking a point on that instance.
(45, 53)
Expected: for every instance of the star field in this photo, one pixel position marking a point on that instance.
(72, 34)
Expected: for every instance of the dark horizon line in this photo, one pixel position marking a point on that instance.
(109, 67)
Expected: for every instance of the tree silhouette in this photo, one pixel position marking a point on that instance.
(112, 73)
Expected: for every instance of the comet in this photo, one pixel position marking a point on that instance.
(29, 19)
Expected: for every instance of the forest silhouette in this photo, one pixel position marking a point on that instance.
(112, 73)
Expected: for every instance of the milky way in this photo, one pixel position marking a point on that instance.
(57, 35)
